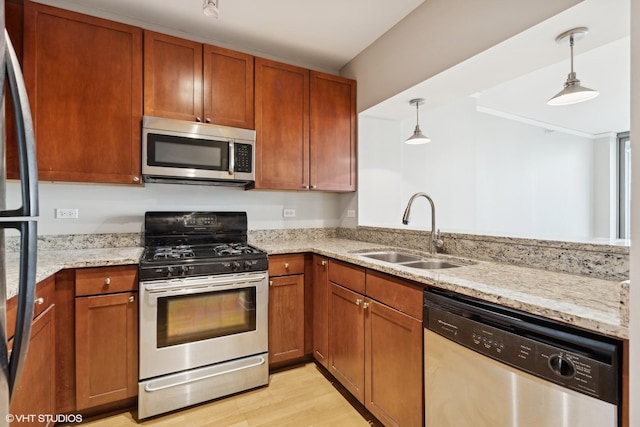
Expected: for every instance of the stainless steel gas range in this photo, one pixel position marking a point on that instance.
(203, 310)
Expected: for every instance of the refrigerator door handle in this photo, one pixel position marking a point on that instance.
(26, 299)
(25, 134)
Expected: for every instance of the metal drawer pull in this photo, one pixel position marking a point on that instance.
(107, 281)
(150, 389)
(132, 298)
(323, 263)
(270, 282)
(39, 301)
(365, 305)
(358, 301)
(286, 265)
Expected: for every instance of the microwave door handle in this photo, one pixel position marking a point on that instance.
(25, 134)
(232, 157)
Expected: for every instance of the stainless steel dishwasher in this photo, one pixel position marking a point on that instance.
(489, 366)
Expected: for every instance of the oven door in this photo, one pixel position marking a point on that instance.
(196, 321)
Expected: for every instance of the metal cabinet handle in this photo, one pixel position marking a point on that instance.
(198, 119)
(136, 179)
(286, 265)
(365, 305)
(313, 187)
(39, 301)
(132, 298)
(107, 281)
(306, 187)
(323, 263)
(358, 301)
(270, 282)
(208, 120)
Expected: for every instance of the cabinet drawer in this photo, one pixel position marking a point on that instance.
(45, 294)
(106, 280)
(284, 265)
(347, 275)
(396, 293)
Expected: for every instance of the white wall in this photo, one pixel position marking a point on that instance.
(605, 187)
(634, 306)
(486, 175)
(120, 209)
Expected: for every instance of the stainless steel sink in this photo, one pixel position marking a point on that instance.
(410, 260)
(392, 256)
(431, 264)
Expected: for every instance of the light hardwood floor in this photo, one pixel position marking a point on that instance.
(297, 397)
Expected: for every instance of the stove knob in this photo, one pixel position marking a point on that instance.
(247, 265)
(235, 266)
(169, 271)
(185, 269)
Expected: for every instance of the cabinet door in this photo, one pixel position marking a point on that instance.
(106, 349)
(172, 77)
(286, 318)
(282, 126)
(14, 12)
(35, 394)
(84, 78)
(333, 133)
(393, 366)
(228, 87)
(346, 339)
(320, 305)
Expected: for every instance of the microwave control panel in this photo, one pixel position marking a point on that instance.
(243, 157)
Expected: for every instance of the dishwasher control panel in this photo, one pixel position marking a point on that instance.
(531, 352)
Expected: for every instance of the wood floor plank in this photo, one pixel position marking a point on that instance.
(297, 397)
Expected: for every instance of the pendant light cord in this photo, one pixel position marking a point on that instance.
(571, 46)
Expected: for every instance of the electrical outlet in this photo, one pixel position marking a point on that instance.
(351, 213)
(67, 213)
(288, 213)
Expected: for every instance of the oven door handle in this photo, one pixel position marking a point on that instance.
(150, 389)
(203, 283)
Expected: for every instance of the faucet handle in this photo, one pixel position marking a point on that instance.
(438, 239)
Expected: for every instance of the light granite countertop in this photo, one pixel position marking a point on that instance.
(595, 304)
(50, 262)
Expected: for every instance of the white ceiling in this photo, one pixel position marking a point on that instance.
(322, 35)
(516, 78)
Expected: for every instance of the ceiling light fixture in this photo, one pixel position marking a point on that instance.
(417, 137)
(211, 8)
(573, 92)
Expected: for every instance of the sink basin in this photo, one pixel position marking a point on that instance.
(430, 264)
(409, 260)
(392, 256)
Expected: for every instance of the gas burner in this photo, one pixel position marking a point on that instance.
(232, 249)
(173, 252)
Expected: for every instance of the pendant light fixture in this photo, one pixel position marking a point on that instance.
(573, 92)
(211, 8)
(417, 137)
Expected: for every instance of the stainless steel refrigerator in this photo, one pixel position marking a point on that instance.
(21, 219)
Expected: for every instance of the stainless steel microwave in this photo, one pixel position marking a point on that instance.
(182, 152)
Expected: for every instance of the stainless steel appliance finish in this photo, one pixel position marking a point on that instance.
(176, 151)
(22, 219)
(203, 310)
(487, 366)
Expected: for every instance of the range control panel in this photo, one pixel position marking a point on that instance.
(549, 362)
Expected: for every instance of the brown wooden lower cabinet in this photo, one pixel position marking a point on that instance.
(320, 301)
(375, 348)
(106, 348)
(35, 396)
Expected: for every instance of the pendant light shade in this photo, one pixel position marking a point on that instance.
(573, 91)
(417, 137)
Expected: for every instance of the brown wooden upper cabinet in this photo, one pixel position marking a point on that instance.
(305, 129)
(84, 79)
(187, 80)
